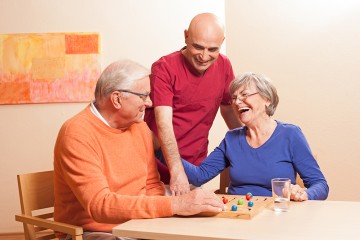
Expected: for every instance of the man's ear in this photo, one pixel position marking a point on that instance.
(116, 100)
(186, 36)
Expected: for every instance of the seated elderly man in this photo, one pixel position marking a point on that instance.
(105, 170)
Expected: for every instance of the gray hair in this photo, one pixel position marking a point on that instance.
(264, 86)
(119, 75)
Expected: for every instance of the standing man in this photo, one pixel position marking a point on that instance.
(188, 87)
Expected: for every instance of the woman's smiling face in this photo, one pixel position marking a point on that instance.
(249, 104)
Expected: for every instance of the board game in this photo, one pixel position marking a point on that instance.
(240, 206)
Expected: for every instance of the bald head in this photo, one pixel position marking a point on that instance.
(206, 23)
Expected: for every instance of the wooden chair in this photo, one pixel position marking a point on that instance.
(224, 182)
(36, 192)
(225, 179)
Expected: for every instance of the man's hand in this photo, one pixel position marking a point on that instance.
(196, 201)
(179, 183)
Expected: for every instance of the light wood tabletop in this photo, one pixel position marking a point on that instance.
(304, 220)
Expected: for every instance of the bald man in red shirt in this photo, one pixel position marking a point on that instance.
(188, 87)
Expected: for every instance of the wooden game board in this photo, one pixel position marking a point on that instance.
(243, 211)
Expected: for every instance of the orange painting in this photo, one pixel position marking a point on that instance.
(48, 68)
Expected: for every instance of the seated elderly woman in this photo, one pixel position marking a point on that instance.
(264, 148)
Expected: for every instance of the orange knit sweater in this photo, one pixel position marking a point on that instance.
(105, 176)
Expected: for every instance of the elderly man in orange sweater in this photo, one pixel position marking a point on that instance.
(105, 171)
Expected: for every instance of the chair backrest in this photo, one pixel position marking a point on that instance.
(36, 191)
(224, 182)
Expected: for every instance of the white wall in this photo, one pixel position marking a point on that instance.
(141, 30)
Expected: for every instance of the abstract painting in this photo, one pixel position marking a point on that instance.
(49, 67)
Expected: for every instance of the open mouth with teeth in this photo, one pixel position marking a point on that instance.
(242, 110)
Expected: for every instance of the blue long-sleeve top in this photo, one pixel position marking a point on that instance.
(283, 155)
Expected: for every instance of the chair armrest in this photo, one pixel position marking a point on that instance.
(50, 224)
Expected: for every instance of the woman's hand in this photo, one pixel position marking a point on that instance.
(298, 194)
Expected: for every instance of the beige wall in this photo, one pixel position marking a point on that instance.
(138, 29)
(309, 48)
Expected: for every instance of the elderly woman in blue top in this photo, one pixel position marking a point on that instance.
(262, 149)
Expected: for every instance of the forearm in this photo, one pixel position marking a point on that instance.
(167, 139)
(193, 173)
(170, 149)
(308, 168)
(318, 191)
(214, 164)
(178, 181)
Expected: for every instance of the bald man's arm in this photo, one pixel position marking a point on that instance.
(179, 183)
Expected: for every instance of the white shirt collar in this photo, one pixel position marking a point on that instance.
(96, 112)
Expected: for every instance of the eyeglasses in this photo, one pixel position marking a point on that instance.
(242, 97)
(143, 96)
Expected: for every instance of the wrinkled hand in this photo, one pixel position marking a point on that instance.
(179, 184)
(196, 201)
(298, 194)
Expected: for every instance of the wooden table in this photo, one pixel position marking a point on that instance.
(305, 220)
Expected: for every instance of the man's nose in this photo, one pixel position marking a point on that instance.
(204, 54)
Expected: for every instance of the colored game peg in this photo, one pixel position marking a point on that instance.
(248, 196)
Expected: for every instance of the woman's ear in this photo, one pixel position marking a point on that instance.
(267, 104)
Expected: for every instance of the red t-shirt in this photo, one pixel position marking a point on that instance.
(195, 100)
